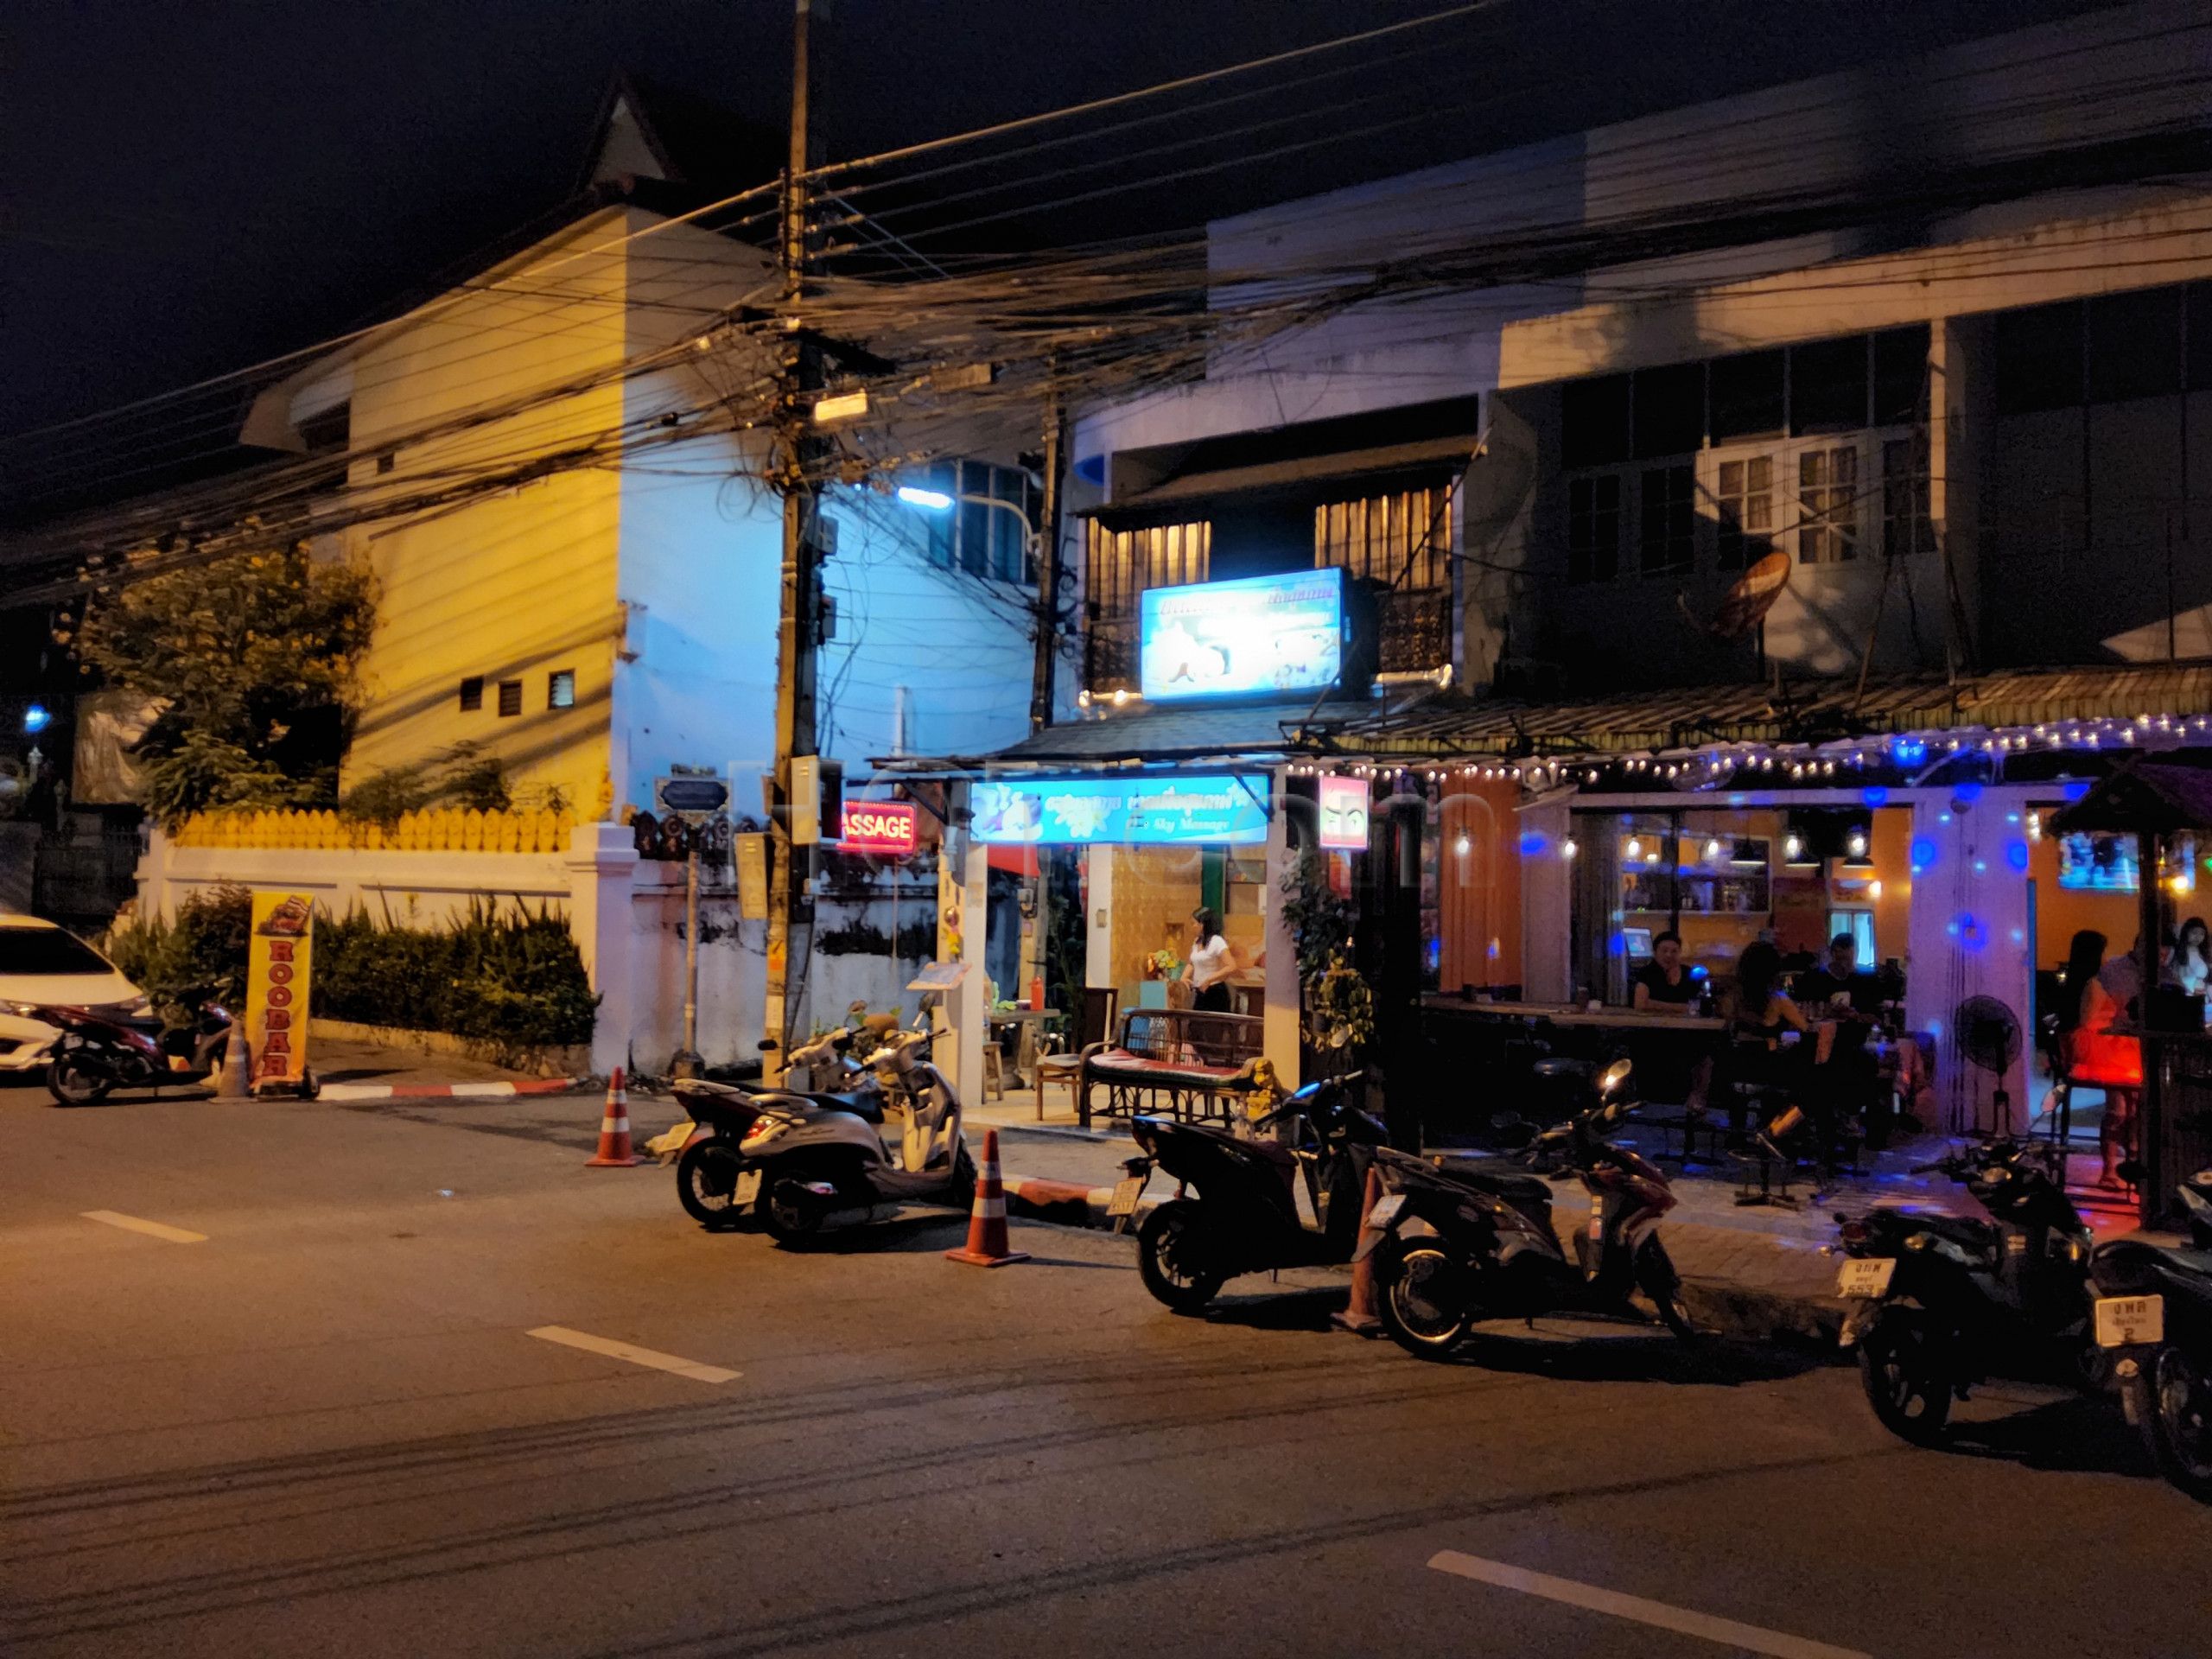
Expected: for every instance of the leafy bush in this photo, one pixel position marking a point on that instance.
(206, 945)
(512, 978)
(516, 979)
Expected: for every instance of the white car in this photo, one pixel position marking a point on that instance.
(45, 966)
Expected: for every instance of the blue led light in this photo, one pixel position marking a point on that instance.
(1969, 791)
(1908, 751)
(2015, 853)
(2075, 791)
(1923, 852)
(1873, 794)
(35, 718)
(1533, 842)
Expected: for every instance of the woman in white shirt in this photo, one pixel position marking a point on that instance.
(1211, 963)
(2192, 963)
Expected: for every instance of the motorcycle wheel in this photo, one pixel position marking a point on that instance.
(963, 1196)
(790, 1214)
(706, 1182)
(1906, 1382)
(1421, 1306)
(1655, 1275)
(1168, 1252)
(2170, 1400)
(71, 1084)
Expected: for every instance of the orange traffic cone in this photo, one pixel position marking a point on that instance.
(1359, 1316)
(614, 1129)
(987, 1239)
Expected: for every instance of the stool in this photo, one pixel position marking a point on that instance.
(993, 1073)
(1762, 1152)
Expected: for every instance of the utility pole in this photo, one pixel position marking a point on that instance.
(798, 629)
(1048, 567)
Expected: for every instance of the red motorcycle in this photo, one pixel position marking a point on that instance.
(96, 1054)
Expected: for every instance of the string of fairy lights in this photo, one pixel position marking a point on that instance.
(1916, 756)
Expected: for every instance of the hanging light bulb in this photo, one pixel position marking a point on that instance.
(1464, 844)
(1713, 849)
(1793, 846)
(1567, 848)
(1855, 843)
(1635, 848)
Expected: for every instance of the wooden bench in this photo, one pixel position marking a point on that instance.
(1189, 1064)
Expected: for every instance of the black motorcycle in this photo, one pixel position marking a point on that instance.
(1933, 1298)
(1238, 1205)
(1456, 1242)
(2153, 1316)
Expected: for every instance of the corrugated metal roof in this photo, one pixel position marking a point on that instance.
(1800, 711)
(1163, 733)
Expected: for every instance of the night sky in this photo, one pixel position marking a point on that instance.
(191, 189)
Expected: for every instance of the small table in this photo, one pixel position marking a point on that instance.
(1569, 1013)
(1028, 1022)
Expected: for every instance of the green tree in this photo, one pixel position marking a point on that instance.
(250, 661)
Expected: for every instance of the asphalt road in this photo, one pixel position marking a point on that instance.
(325, 1426)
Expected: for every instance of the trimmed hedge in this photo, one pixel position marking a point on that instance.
(509, 978)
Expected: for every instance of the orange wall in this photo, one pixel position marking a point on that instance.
(1479, 891)
(2061, 914)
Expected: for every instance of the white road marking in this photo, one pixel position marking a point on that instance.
(1750, 1638)
(151, 1229)
(614, 1350)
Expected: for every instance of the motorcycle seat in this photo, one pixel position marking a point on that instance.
(866, 1108)
(1969, 1232)
(1510, 1185)
(2130, 1251)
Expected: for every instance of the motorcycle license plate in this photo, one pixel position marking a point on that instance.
(1124, 1201)
(1865, 1280)
(2124, 1321)
(1386, 1210)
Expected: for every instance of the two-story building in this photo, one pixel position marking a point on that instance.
(609, 616)
(1801, 490)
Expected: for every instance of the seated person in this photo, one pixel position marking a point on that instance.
(1838, 991)
(1763, 1013)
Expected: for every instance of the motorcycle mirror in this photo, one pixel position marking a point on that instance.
(1613, 1076)
(1505, 1120)
(1515, 1134)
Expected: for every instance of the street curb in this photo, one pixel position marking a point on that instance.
(444, 1090)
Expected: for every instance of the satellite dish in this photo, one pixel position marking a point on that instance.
(1748, 600)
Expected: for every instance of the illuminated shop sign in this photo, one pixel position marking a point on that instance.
(1230, 638)
(1226, 808)
(1344, 813)
(879, 827)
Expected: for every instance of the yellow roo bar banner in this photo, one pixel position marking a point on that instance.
(280, 961)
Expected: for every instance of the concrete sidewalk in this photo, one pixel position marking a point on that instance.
(1748, 1272)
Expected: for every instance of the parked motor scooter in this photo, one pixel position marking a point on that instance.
(1455, 1243)
(821, 1154)
(95, 1054)
(1933, 1300)
(2152, 1317)
(709, 1172)
(1236, 1206)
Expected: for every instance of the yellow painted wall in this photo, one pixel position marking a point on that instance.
(519, 585)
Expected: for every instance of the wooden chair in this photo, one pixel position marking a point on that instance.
(1101, 1005)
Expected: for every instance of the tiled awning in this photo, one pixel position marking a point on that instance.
(1803, 711)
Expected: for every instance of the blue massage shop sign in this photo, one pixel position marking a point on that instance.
(1182, 808)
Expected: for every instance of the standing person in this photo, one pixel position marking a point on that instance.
(1212, 961)
(1662, 985)
(1681, 1062)
(2192, 963)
